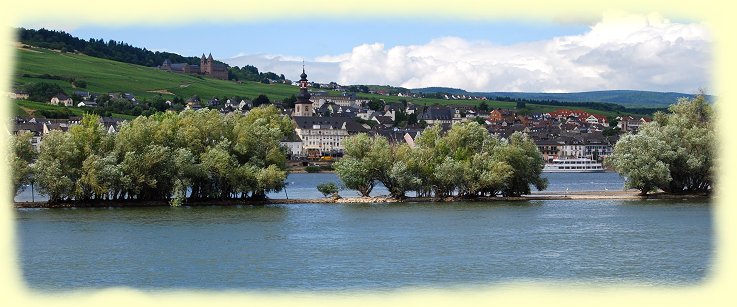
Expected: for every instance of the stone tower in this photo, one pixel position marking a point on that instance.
(203, 62)
(303, 105)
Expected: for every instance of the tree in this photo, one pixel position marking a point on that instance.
(526, 162)
(21, 156)
(54, 175)
(520, 104)
(643, 169)
(376, 104)
(328, 188)
(42, 91)
(675, 152)
(355, 175)
(289, 101)
(261, 100)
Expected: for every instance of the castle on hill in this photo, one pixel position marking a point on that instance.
(207, 67)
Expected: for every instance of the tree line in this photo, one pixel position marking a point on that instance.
(123, 52)
(674, 153)
(466, 161)
(602, 106)
(167, 156)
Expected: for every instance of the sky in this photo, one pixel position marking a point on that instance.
(624, 51)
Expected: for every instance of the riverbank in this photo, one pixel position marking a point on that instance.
(588, 195)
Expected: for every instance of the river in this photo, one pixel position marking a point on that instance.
(303, 185)
(309, 247)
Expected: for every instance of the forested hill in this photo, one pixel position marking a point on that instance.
(122, 52)
(629, 98)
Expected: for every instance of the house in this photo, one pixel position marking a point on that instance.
(18, 94)
(596, 119)
(385, 121)
(62, 99)
(500, 115)
(36, 129)
(629, 123)
(292, 143)
(110, 124)
(440, 115)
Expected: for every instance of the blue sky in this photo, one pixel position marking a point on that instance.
(321, 36)
(312, 38)
(619, 51)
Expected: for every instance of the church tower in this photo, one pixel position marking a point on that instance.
(203, 62)
(303, 105)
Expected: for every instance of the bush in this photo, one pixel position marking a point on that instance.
(328, 188)
(312, 168)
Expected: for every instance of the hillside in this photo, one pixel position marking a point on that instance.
(628, 98)
(104, 76)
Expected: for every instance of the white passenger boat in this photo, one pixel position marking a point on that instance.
(575, 165)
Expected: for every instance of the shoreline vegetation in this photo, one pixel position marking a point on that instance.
(237, 159)
(578, 195)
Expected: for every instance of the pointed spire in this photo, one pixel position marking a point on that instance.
(304, 94)
(303, 76)
(209, 57)
(203, 56)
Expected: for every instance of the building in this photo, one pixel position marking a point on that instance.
(320, 135)
(208, 67)
(303, 106)
(62, 99)
(325, 135)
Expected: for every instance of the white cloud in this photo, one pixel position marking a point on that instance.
(290, 66)
(619, 52)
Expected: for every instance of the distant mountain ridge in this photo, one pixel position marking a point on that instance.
(630, 98)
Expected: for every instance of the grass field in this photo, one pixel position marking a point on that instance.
(104, 76)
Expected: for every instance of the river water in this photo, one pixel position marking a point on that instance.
(303, 185)
(367, 246)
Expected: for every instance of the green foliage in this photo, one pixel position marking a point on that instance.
(355, 174)
(21, 155)
(42, 91)
(467, 162)
(328, 188)
(674, 153)
(312, 168)
(161, 157)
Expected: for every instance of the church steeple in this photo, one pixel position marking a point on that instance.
(303, 105)
(304, 94)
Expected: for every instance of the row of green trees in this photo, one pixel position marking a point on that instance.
(467, 161)
(160, 157)
(674, 153)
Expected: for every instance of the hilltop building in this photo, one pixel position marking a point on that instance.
(207, 67)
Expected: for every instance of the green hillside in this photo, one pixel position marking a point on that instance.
(103, 76)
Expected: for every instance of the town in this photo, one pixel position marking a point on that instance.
(322, 121)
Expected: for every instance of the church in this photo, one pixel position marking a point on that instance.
(320, 135)
(208, 67)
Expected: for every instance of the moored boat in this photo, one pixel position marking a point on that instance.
(574, 165)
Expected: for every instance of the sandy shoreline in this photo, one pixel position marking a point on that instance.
(602, 195)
